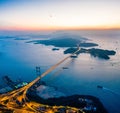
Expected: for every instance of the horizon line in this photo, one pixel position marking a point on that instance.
(53, 28)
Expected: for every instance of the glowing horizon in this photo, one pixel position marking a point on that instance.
(59, 14)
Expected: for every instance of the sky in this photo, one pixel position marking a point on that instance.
(59, 14)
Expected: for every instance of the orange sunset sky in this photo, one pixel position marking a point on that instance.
(59, 14)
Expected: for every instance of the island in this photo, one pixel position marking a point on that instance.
(55, 49)
(20, 38)
(65, 41)
(100, 53)
(74, 44)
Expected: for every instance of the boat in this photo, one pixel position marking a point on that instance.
(73, 56)
(101, 87)
(64, 67)
(55, 49)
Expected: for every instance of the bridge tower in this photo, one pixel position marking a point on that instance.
(78, 46)
(38, 71)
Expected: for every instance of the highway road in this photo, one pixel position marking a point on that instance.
(18, 98)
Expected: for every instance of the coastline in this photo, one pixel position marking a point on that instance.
(87, 103)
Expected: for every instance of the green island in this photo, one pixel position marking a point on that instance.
(100, 53)
(65, 42)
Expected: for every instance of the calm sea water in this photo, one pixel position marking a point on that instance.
(19, 59)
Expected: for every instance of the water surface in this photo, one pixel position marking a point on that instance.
(19, 59)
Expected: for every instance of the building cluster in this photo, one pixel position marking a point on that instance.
(89, 105)
(57, 109)
(88, 108)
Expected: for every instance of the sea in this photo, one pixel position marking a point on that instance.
(83, 74)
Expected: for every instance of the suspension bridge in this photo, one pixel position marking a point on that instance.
(13, 99)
